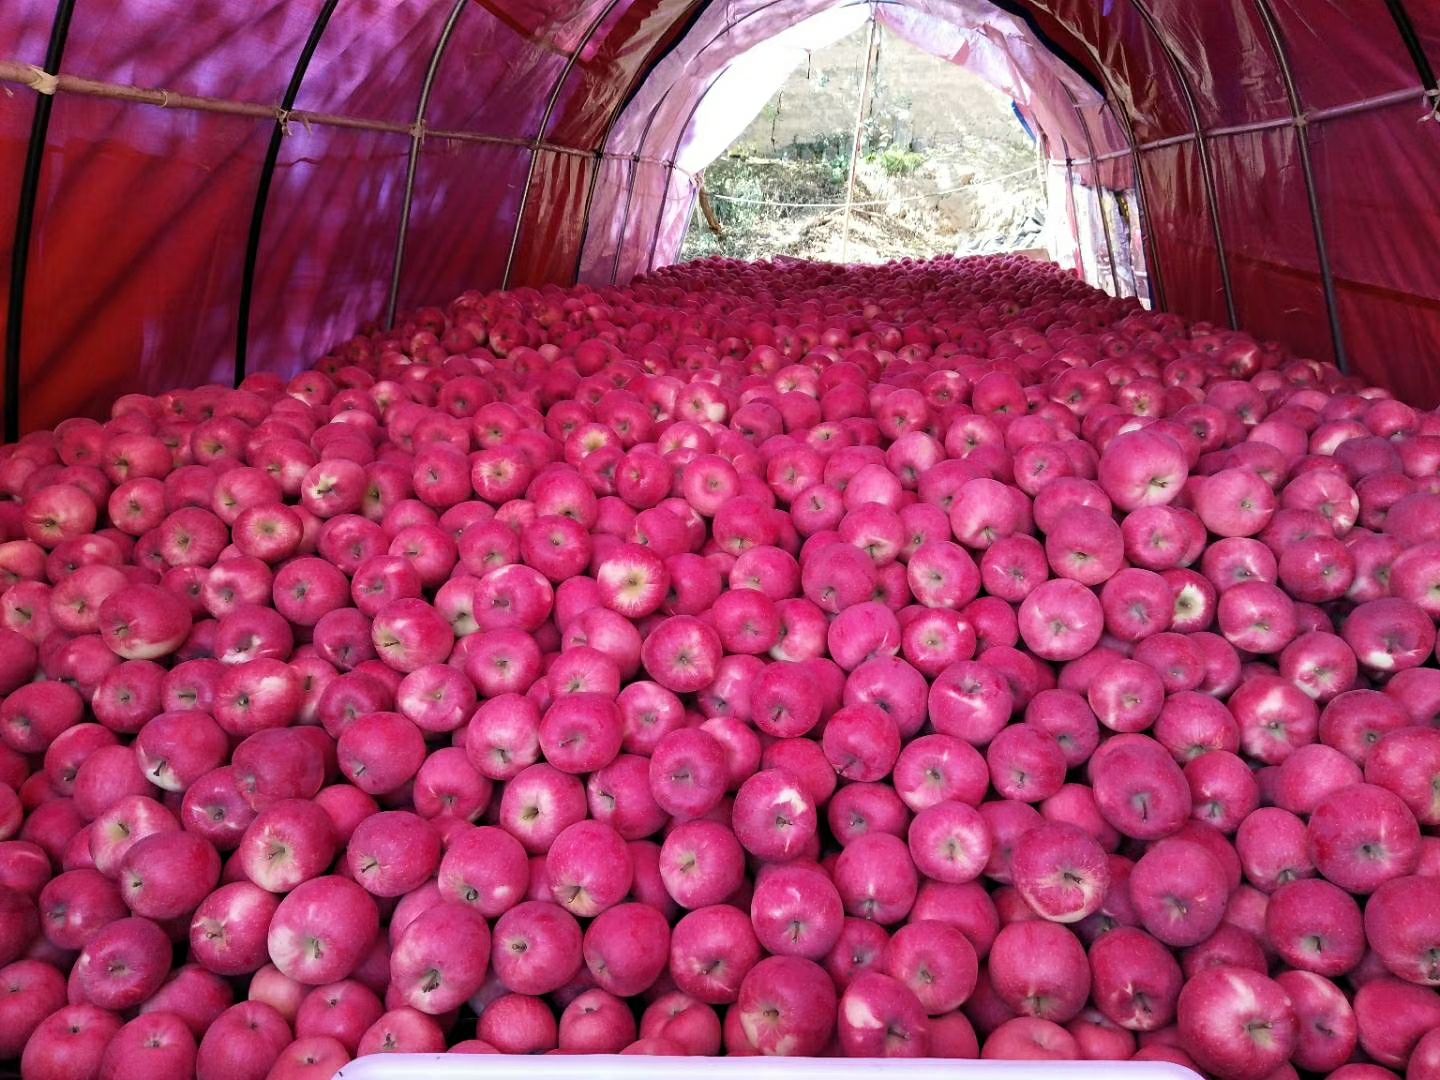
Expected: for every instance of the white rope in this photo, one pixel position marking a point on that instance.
(875, 202)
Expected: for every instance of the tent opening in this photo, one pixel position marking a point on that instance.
(943, 163)
(719, 80)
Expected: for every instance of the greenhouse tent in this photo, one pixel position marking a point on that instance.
(195, 189)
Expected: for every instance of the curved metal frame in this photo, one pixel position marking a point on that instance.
(412, 164)
(262, 191)
(1207, 173)
(629, 193)
(540, 135)
(1302, 142)
(1154, 282)
(1006, 6)
(645, 134)
(1099, 189)
(692, 13)
(1415, 47)
(670, 171)
(30, 179)
(25, 220)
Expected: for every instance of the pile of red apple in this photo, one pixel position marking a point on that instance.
(933, 659)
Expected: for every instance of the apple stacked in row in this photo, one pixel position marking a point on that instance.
(933, 659)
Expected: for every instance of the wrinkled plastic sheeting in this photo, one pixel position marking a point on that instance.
(172, 191)
(1194, 33)
(328, 248)
(1375, 176)
(708, 88)
(1182, 233)
(1375, 62)
(1086, 234)
(1274, 271)
(607, 68)
(462, 216)
(553, 225)
(1133, 60)
(154, 305)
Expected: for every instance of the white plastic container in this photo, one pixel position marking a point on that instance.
(616, 1067)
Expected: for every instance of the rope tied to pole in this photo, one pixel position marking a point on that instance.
(42, 82)
(1432, 106)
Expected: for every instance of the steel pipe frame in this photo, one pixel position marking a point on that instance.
(536, 146)
(1312, 118)
(695, 106)
(1416, 48)
(695, 9)
(1207, 173)
(60, 28)
(32, 78)
(1099, 189)
(670, 172)
(25, 221)
(1302, 142)
(1072, 65)
(262, 189)
(412, 163)
(1154, 281)
(645, 134)
(629, 196)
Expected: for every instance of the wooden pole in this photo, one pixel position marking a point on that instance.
(708, 208)
(855, 142)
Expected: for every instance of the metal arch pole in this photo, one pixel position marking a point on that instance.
(629, 199)
(1099, 191)
(624, 224)
(550, 104)
(1155, 285)
(1415, 47)
(25, 220)
(1152, 267)
(695, 107)
(670, 172)
(1302, 142)
(614, 119)
(659, 220)
(1207, 174)
(630, 192)
(650, 120)
(412, 165)
(262, 190)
